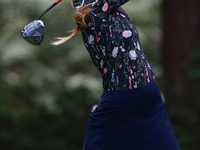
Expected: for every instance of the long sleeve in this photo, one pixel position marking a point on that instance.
(100, 6)
(103, 6)
(113, 4)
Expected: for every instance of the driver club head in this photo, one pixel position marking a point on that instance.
(34, 32)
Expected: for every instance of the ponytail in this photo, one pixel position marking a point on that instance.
(80, 18)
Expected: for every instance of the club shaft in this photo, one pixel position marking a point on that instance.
(53, 5)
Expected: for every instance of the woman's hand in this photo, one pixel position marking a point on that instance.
(94, 108)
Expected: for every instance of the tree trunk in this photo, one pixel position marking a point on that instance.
(181, 61)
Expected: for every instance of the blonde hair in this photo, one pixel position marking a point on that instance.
(80, 16)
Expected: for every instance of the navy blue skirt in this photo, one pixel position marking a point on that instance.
(131, 120)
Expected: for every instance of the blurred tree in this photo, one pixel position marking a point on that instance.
(181, 59)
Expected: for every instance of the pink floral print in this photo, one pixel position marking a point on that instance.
(105, 7)
(114, 46)
(126, 33)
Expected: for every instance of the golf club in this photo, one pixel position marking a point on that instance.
(34, 32)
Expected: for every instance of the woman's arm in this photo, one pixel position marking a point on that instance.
(101, 5)
(108, 5)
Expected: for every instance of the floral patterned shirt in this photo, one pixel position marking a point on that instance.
(114, 46)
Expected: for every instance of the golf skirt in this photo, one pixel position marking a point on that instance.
(133, 119)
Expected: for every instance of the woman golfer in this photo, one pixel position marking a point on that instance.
(130, 114)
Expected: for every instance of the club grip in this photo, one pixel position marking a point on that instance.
(58, 1)
(54, 4)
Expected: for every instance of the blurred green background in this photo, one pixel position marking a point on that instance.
(46, 92)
